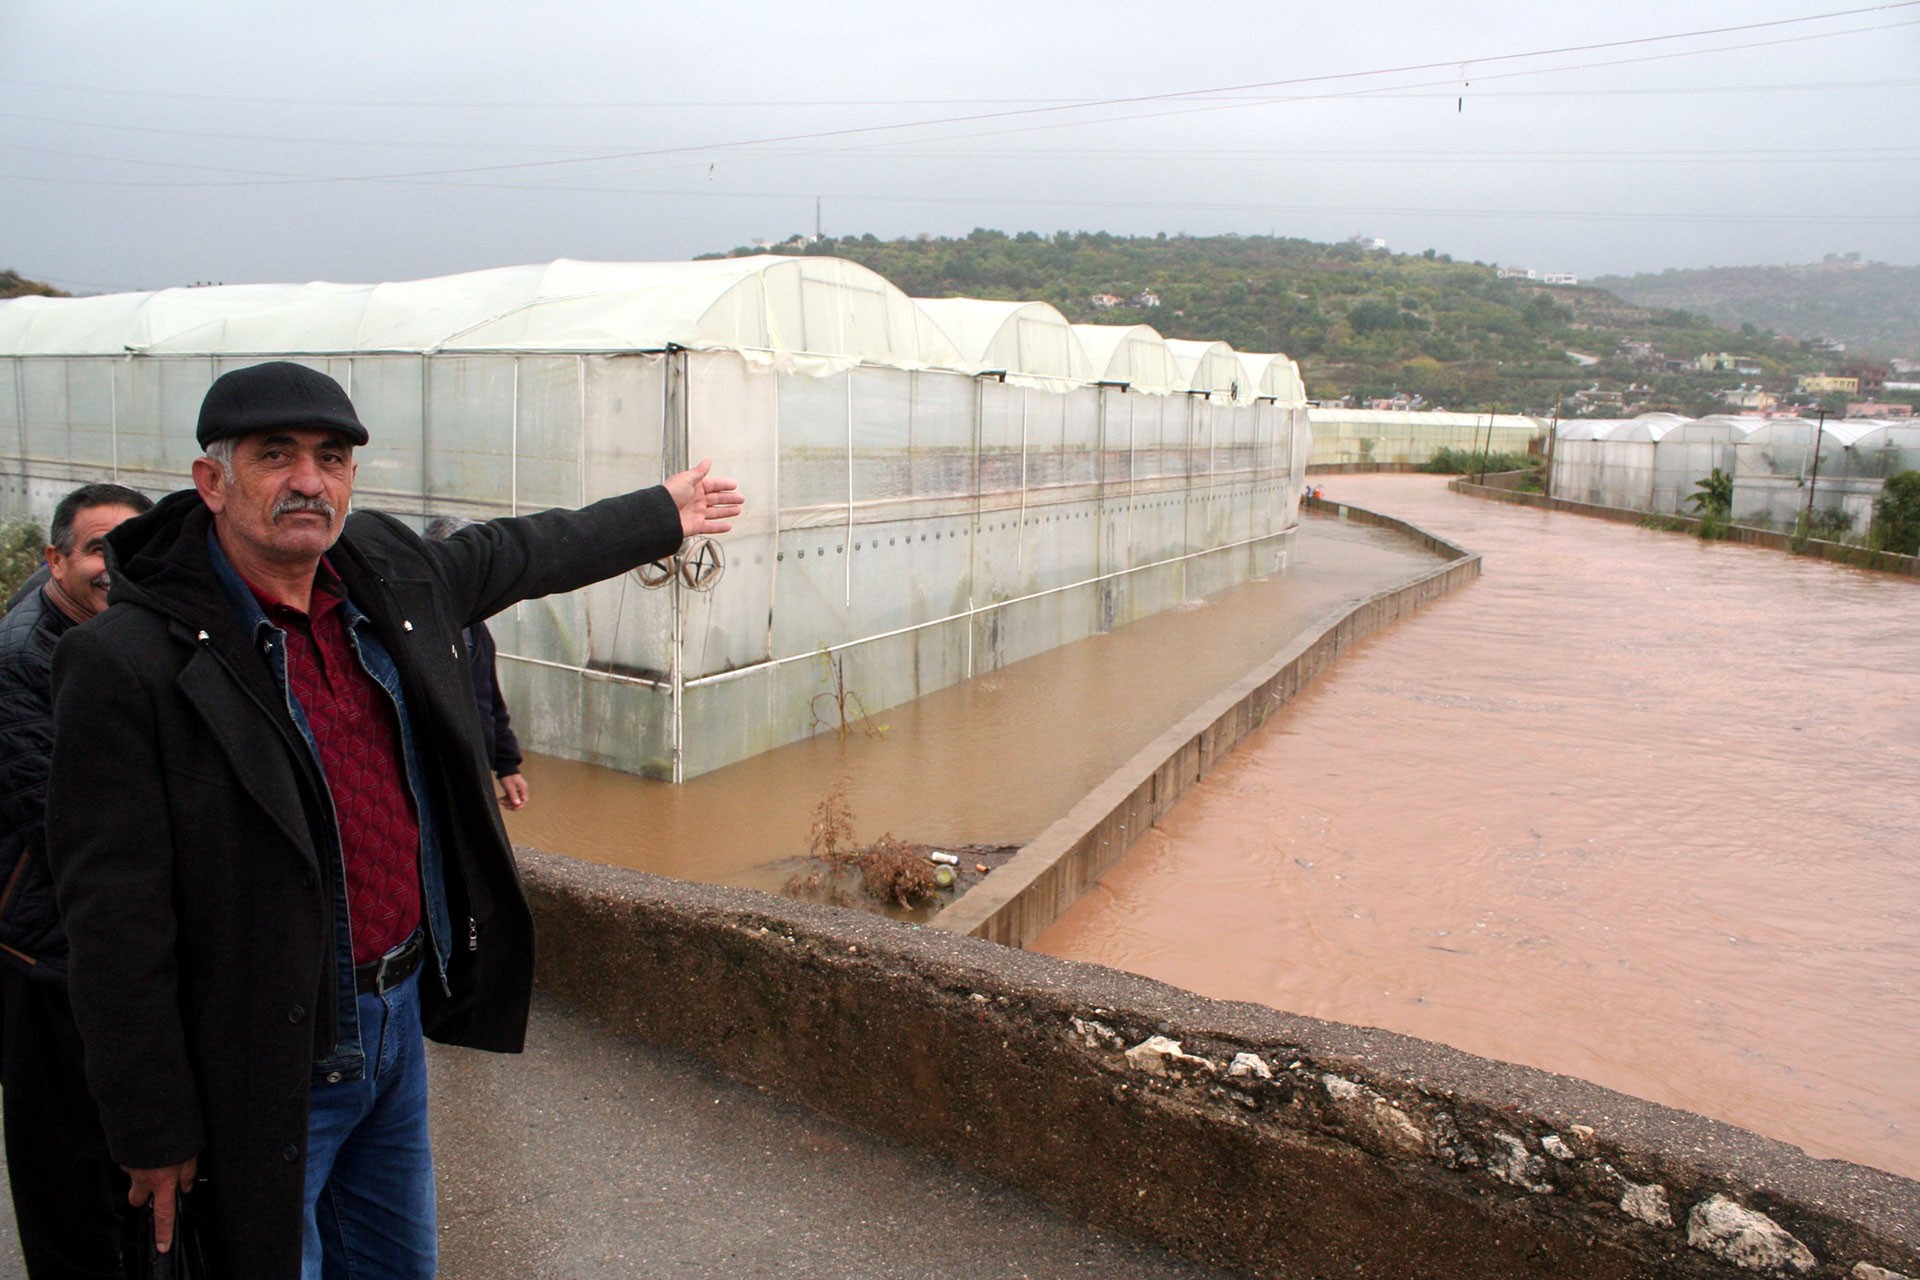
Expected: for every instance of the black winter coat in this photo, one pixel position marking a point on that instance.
(496, 722)
(196, 905)
(31, 939)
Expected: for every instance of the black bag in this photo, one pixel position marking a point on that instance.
(186, 1260)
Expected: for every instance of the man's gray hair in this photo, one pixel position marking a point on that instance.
(221, 452)
(444, 527)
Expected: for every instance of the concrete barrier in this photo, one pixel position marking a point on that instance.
(1020, 899)
(1231, 1133)
(1841, 552)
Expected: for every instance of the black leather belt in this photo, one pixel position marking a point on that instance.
(377, 977)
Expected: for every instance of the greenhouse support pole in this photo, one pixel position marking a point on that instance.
(20, 414)
(979, 501)
(1021, 543)
(424, 411)
(1813, 481)
(847, 536)
(674, 450)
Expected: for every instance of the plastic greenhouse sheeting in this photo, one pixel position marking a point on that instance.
(1412, 436)
(1029, 338)
(911, 523)
(1210, 368)
(1273, 376)
(817, 306)
(1608, 462)
(1775, 480)
(1134, 354)
(1689, 454)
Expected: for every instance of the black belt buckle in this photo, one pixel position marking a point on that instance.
(381, 976)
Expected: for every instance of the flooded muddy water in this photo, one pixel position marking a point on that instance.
(1631, 807)
(991, 761)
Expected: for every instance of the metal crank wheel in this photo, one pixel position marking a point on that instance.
(702, 563)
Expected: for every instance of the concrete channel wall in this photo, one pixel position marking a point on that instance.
(1231, 1133)
(1842, 552)
(1019, 900)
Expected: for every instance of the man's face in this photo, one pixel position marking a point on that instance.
(285, 497)
(83, 574)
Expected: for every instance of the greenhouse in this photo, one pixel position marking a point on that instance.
(922, 506)
(1210, 368)
(1608, 462)
(1776, 479)
(1030, 339)
(1276, 378)
(1133, 354)
(1689, 454)
(1412, 437)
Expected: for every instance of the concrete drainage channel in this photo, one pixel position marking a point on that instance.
(1231, 1133)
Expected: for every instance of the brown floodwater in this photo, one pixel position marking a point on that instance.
(1631, 807)
(991, 761)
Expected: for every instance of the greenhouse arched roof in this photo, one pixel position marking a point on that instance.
(1272, 375)
(1801, 431)
(805, 306)
(1135, 354)
(1639, 430)
(1210, 368)
(1017, 337)
(1718, 428)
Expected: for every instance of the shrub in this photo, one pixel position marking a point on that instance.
(1713, 496)
(23, 545)
(889, 869)
(1459, 462)
(1896, 513)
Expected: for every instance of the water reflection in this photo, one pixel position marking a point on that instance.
(1632, 807)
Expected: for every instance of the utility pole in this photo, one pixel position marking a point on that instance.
(1819, 431)
(1489, 449)
(1553, 433)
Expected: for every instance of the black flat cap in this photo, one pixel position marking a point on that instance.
(281, 394)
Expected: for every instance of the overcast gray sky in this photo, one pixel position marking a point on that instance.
(145, 145)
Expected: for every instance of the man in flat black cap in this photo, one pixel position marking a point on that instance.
(272, 827)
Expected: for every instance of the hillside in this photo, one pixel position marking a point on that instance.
(1362, 322)
(1872, 307)
(15, 285)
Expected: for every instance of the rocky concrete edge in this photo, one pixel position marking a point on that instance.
(1020, 899)
(1234, 1134)
(1839, 552)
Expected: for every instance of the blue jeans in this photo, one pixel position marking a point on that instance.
(370, 1206)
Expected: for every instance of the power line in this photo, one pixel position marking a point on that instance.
(1036, 101)
(1829, 86)
(1201, 95)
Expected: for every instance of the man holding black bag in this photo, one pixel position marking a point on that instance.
(273, 832)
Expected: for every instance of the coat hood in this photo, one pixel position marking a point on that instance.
(159, 560)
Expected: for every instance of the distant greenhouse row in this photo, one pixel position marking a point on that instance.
(937, 488)
(1362, 437)
(1780, 468)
